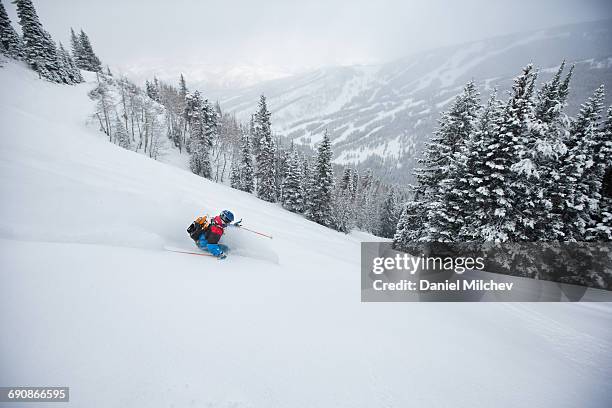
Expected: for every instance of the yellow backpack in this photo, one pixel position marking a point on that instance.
(198, 227)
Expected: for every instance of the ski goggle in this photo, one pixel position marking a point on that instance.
(224, 219)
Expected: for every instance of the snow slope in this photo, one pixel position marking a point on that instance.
(89, 299)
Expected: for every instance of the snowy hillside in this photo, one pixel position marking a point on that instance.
(90, 299)
(203, 76)
(388, 111)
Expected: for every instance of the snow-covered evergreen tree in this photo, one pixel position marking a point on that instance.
(88, 58)
(306, 178)
(525, 173)
(10, 42)
(183, 87)
(292, 193)
(266, 167)
(192, 113)
(245, 166)
(253, 135)
(517, 127)
(211, 120)
(389, 215)
(598, 158)
(319, 203)
(545, 148)
(68, 67)
(152, 89)
(510, 180)
(549, 98)
(202, 120)
(346, 182)
(341, 212)
(409, 228)
(39, 48)
(266, 170)
(581, 187)
(444, 160)
(366, 202)
(77, 50)
(344, 206)
(601, 226)
(354, 184)
(479, 172)
(281, 161)
(235, 175)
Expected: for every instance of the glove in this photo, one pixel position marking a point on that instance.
(237, 223)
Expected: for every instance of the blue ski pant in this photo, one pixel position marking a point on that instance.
(214, 249)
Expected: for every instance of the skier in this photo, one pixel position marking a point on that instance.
(207, 232)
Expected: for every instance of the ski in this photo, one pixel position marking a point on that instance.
(180, 251)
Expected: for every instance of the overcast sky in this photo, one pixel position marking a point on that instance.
(294, 35)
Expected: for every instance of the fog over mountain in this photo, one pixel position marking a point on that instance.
(378, 114)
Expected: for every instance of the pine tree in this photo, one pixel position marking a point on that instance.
(524, 180)
(444, 162)
(152, 89)
(479, 173)
(64, 64)
(89, 60)
(253, 135)
(292, 193)
(266, 174)
(281, 162)
(341, 212)
(180, 131)
(306, 179)
(550, 97)
(344, 205)
(182, 87)
(211, 121)
(191, 113)
(354, 184)
(408, 231)
(510, 213)
(69, 68)
(364, 203)
(39, 48)
(581, 185)
(247, 175)
(77, 50)
(601, 226)
(235, 175)
(548, 132)
(10, 42)
(389, 215)
(346, 183)
(599, 161)
(202, 121)
(371, 209)
(319, 206)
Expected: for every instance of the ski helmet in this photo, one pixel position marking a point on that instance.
(227, 216)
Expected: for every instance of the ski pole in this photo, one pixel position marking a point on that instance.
(255, 232)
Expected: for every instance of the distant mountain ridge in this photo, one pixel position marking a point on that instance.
(380, 115)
